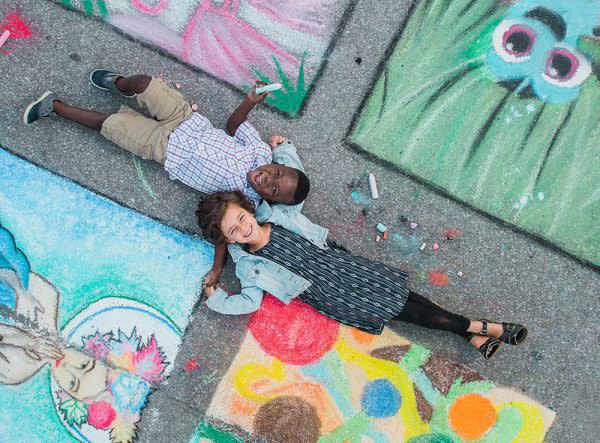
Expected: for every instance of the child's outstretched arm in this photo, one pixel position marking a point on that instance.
(240, 114)
(218, 264)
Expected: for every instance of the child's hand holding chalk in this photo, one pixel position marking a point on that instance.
(261, 90)
(269, 88)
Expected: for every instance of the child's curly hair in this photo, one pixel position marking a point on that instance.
(211, 210)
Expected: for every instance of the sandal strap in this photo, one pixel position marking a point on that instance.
(489, 348)
(484, 327)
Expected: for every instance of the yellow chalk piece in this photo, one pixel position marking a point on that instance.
(533, 430)
(376, 368)
(250, 373)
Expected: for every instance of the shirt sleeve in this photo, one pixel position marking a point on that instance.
(287, 154)
(248, 300)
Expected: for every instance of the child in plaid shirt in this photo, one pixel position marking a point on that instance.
(190, 148)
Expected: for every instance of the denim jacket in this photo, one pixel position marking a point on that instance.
(258, 274)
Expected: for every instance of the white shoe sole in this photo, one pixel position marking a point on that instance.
(32, 104)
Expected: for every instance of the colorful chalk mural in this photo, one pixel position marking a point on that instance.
(111, 289)
(301, 377)
(496, 103)
(238, 41)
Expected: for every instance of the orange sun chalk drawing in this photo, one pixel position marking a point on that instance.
(471, 416)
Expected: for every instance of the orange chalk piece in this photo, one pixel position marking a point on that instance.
(385, 235)
(4, 37)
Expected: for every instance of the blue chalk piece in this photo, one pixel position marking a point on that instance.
(381, 228)
(269, 88)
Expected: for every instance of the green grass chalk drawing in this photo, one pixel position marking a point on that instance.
(497, 104)
(290, 98)
(235, 41)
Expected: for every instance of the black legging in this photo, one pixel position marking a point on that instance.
(423, 312)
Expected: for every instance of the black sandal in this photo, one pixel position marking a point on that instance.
(489, 348)
(512, 333)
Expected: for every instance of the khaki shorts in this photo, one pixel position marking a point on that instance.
(147, 137)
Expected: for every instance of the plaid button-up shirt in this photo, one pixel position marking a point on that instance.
(209, 160)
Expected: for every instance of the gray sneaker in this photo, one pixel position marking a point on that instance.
(103, 79)
(42, 107)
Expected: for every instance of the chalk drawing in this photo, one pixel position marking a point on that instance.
(496, 103)
(282, 387)
(238, 41)
(113, 288)
(18, 28)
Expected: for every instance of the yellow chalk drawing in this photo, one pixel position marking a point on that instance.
(251, 373)
(533, 430)
(376, 368)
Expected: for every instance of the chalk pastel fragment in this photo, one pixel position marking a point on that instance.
(460, 274)
(413, 225)
(423, 246)
(177, 85)
(381, 228)
(378, 238)
(194, 107)
(385, 234)
(373, 185)
(4, 37)
(435, 246)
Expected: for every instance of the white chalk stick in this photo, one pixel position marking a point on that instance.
(269, 88)
(4, 37)
(373, 185)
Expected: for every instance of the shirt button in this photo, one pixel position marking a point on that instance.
(256, 271)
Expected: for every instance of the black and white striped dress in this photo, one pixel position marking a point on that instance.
(347, 288)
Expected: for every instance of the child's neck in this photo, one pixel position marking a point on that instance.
(264, 235)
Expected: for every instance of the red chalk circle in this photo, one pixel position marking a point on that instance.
(295, 334)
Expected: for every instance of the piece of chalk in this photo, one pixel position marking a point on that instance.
(381, 228)
(413, 225)
(373, 185)
(177, 85)
(423, 246)
(385, 235)
(4, 37)
(460, 274)
(378, 238)
(435, 246)
(269, 88)
(194, 107)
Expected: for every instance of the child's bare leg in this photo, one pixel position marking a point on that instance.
(135, 84)
(84, 117)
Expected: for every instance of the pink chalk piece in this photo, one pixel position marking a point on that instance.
(194, 107)
(4, 37)
(435, 246)
(413, 225)
(423, 246)
(177, 85)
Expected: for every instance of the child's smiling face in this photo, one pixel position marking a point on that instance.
(274, 182)
(238, 225)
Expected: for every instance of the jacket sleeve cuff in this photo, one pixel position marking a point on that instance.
(216, 300)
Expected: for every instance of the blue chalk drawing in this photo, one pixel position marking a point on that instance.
(90, 249)
(536, 46)
(381, 399)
